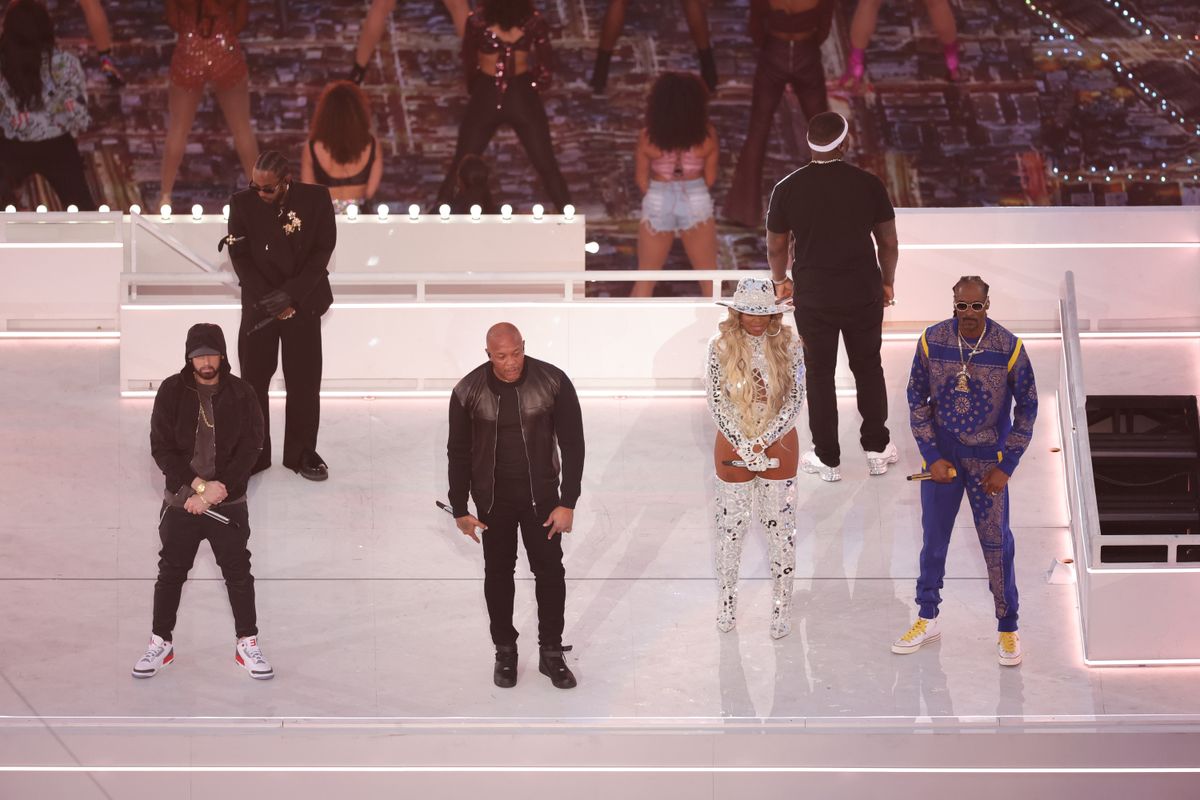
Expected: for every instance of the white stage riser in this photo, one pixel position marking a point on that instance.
(368, 244)
(1129, 613)
(1136, 268)
(312, 759)
(1140, 614)
(59, 275)
(616, 345)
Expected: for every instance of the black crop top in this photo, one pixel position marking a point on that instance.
(357, 179)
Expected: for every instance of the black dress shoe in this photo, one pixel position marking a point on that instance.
(313, 467)
(552, 665)
(505, 673)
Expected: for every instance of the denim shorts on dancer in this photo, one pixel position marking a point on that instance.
(674, 206)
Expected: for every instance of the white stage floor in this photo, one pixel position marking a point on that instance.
(371, 605)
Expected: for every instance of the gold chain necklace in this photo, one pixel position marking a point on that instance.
(962, 384)
(204, 416)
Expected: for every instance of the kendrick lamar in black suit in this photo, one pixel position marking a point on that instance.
(281, 236)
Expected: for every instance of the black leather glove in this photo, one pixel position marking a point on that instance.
(275, 301)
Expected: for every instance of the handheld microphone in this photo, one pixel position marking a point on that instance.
(925, 476)
(772, 463)
(221, 518)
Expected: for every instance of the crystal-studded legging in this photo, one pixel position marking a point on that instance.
(939, 506)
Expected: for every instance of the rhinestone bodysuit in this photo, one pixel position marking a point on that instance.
(775, 499)
(726, 416)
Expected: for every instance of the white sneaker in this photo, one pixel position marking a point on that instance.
(158, 655)
(922, 632)
(1008, 647)
(813, 465)
(249, 656)
(877, 463)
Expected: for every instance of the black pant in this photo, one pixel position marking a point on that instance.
(57, 160)
(500, 561)
(862, 330)
(522, 110)
(181, 534)
(780, 64)
(259, 356)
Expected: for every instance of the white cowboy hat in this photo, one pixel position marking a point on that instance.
(756, 297)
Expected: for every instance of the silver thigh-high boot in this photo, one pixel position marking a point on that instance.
(733, 518)
(777, 512)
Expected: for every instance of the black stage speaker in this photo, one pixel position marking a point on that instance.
(1146, 464)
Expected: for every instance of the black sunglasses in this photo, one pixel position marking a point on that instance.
(265, 189)
(961, 306)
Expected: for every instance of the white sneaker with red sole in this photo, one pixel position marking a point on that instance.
(159, 653)
(249, 656)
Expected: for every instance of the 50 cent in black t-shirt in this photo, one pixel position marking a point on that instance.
(831, 209)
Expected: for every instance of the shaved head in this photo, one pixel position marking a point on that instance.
(502, 331)
(506, 351)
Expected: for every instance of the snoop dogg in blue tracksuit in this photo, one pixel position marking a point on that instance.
(972, 402)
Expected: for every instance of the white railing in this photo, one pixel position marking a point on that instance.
(138, 223)
(419, 282)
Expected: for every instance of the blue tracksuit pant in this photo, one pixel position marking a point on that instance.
(939, 506)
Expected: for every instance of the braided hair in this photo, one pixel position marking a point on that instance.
(967, 280)
(274, 162)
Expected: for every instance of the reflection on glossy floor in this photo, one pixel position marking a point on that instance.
(371, 604)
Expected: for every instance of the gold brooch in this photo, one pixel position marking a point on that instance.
(293, 223)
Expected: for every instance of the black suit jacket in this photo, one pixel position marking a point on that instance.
(265, 257)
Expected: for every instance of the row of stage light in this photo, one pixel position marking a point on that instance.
(382, 212)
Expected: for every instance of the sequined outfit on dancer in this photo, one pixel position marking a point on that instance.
(775, 499)
(207, 49)
(959, 396)
(508, 98)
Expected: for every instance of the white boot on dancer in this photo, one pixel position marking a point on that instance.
(733, 519)
(777, 512)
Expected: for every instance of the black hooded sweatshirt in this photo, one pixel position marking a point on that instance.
(237, 419)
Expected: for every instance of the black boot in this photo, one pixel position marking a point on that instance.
(505, 673)
(552, 665)
(708, 68)
(600, 71)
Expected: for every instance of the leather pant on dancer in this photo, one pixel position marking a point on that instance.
(520, 107)
(781, 63)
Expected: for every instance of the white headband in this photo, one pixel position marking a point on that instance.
(836, 143)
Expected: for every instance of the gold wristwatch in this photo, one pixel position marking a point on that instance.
(200, 488)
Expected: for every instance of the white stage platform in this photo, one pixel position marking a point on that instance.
(371, 610)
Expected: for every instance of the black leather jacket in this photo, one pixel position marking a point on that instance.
(550, 421)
